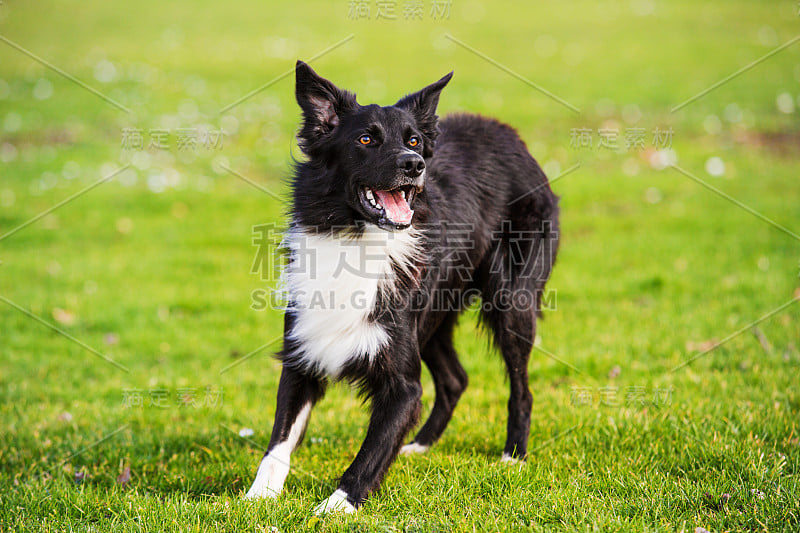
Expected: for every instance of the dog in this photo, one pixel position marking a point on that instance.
(400, 221)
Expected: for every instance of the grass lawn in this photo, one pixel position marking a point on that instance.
(665, 377)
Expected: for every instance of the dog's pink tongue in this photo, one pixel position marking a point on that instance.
(396, 207)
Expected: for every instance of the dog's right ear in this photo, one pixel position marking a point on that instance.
(322, 103)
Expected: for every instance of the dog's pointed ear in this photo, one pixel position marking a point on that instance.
(322, 103)
(422, 104)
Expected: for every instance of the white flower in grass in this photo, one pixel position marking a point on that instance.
(715, 166)
(785, 103)
(105, 71)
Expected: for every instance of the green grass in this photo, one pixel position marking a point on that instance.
(652, 270)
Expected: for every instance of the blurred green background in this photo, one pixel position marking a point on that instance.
(154, 268)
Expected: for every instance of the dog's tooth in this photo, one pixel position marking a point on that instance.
(370, 196)
(404, 194)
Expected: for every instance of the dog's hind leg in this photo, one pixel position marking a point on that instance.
(513, 281)
(297, 394)
(514, 334)
(450, 380)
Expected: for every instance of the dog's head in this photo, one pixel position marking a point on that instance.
(373, 157)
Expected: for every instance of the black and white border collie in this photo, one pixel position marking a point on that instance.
(392, 210)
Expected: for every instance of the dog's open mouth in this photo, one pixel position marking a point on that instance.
(390, 207)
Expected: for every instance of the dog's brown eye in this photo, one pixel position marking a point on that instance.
(413, 142)
(365, 139)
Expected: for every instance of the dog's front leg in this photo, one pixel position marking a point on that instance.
(395, 410)
(297, 393)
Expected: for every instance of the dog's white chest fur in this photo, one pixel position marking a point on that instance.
(333, 284)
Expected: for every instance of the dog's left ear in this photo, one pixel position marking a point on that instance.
(422, 104)
(322, 102)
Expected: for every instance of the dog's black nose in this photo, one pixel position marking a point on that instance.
(412, 164)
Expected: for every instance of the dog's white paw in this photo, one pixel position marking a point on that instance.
(413, 448)
(260, 493)
(269, 480)
(336, 503)
(511, 460)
